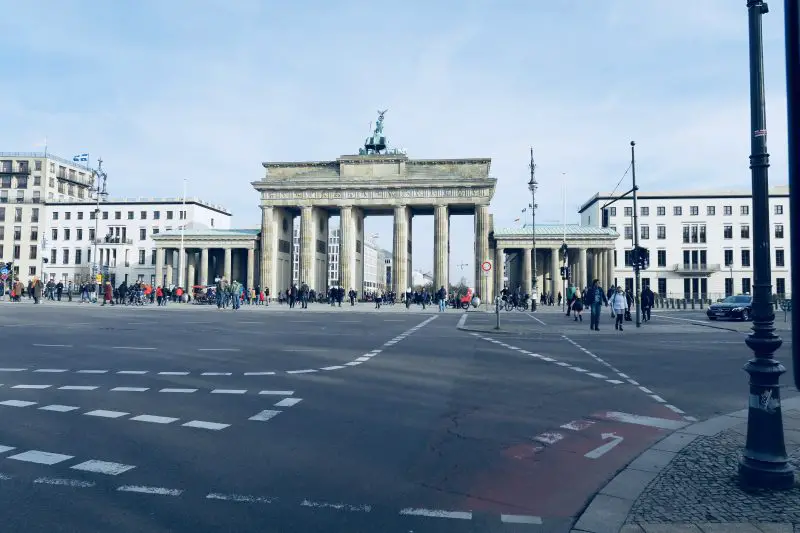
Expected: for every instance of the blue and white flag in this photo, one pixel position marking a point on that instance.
(82, 157)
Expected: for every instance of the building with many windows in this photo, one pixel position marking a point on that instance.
(27, 181)
(700, 243)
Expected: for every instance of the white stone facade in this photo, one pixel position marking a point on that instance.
(700, 242)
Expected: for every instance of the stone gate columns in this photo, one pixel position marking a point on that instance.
(251, 265)
(159, 266)
(610, 267)
(527, 280)
(314, 248)
(401, 250)
(499, 269)
(269, 244)
(554, 272)
(582, 268)
(351, 250)
(204, 266)
(227, 265)
(441, 247)
(482, 285)
(190, 269)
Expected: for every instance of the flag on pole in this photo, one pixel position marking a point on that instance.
(81, 157)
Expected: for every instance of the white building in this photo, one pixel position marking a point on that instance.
(700, 242)
(421, 279)
(27, 181)
(120, 236)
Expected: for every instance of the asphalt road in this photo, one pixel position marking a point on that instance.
(190, 419)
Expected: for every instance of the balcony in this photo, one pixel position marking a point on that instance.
(22, 170)
(113, 240)
(695, 269)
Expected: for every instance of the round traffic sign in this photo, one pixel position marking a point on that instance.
(3, 270)
(486, 266)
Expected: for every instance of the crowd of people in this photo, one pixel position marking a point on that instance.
(617, 298)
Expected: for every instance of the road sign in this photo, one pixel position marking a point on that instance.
(486, 266)
(4, 271)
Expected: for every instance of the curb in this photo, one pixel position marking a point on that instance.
(610, 506)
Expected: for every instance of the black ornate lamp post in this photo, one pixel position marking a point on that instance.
(532, 185)
(792, 14)
(764, 463)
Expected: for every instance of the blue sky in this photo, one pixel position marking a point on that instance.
(207, 90)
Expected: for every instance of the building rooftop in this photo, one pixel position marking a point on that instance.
(63, 160)
(557, 230)
(210, 233)
(143, 201)
(777, 190)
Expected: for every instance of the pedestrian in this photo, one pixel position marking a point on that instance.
(619, 304)
(441, 295)
(577, 306)
(648, 300)
(595, 298)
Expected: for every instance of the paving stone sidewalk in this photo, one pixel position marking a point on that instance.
(687, 483)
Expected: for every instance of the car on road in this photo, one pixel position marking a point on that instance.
(739, 307)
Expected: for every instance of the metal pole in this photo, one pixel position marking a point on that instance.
(792, 14)
(764, 463)
(534, 292)
(95, 259)
(183, 226)
(636, 274)
(566, 252)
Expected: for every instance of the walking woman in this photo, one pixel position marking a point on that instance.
(577, 305)
(619, 303)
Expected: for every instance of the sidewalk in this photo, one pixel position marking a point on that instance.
(687, 483)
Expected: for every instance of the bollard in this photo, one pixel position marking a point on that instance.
(701, 302)
(497, 311)
(684, 304)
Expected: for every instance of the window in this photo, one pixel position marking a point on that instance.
(37, 165)
(745, 285)
(17, 233)
(694, 210)
(37, 197)
(92, 215)
(17, 251)
(31, 270)
(55, 215)
(34, 234)
(66, 234)
(677, 210)
(645, 232)
(183, 215)
(89, 255)
(628, 258)
(780, 286)
(22, 183)
(745, 258)
(156, 215)
(32, 252)
(153, 256)
(2, 214)
(702, 233)
(662, 258)
(686, 234)
(91, 234)
(727, 210)
(65, 256)
(80, 215)
(212, 222)
(778, 209)
(745, 230)
(744, 210)
(779, 258)
(78, 256)
(169, 215)
(644, 211)
(155, 230)
(143, 215)
(628, 211)
(142, 234)
(662, 287)
(728, 258)
(727, 232)
(130, 215)
(79, 234)
(17, 214)
(779, 231)
(68, 215)
(105, 215)
(141, 257)
(661, 232)
(628, 232)
(613, 228)
(117, 215)
(613, 212)
(35, 214)
(55, 234)
(53, 256)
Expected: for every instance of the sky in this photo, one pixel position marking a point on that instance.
(209, 89)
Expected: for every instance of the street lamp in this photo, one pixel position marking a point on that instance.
(764, 463)
(532, 185)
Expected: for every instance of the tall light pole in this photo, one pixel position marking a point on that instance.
(532, 184)
(636, 263)
(99, 191)
(764, 463)
(183, 227)
(792, 14)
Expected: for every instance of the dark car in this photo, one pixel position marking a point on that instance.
(739, 307)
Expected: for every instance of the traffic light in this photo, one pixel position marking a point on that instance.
(641, 257)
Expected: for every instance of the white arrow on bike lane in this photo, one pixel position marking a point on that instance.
(605, 448)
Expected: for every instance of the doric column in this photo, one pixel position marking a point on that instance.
(555, 274)
(441, 245)
(227, 265)
(190, 269)
(400, 272)
(499, 269)
(251, 265)
(268, 258)
(482, 285)
(204, 266)
(347, 249)
(170, 262)
(583, 271)
(159, 266)
(610, 267)
(527, 278)
(307, 247)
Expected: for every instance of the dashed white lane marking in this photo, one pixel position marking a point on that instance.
(17, 403)
(640, 420)
(79, 387)
(288, 402)
(462, 321)
(13, 369)
(218, 350)
(103, 467)
(202, 424)
(51, 370)
(106, 414)
(520, 519)
(130, 389)
(305, 371)
(185, 391)
(92, 371)
(173, 373)
(64, 482)
(161, 491)
(536, 319)
(133, 372)
(53, 345)
(577, 425)
(337, 506)
(435, 513)
(228, 391)
(353, 363)
(277, 392)
(59, 408)
(4, 449)
(31, 386)
(154, 419)
(362, 359)
(336, 367)
(259, 373)
(216, 374)
(238, 498)
(131, 348)
(624, 376)
(40, 457)
(265, 415)
(596, 375)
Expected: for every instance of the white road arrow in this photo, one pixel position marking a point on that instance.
(607, 447)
